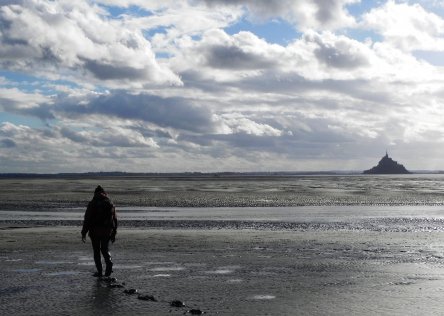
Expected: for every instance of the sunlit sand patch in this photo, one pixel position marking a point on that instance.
(263, 297)
(61, 273)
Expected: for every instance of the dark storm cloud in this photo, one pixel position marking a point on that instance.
(233, 57)
(105, 71)
(165, 112)
(7, 143)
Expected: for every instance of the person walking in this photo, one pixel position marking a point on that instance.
(101, 222)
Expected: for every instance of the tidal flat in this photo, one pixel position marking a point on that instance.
(307, 245)
(47, 271)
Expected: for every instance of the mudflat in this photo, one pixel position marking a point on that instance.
(47, 271)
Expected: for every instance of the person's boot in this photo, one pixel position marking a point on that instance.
(97, 274)
(109, 269)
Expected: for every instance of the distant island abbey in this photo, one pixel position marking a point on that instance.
(387, 166)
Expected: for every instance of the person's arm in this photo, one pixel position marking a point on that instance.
(114, 219)
(86, 222)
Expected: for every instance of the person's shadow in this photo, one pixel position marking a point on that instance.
(103, 298)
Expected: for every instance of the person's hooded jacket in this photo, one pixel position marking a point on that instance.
(100, 217)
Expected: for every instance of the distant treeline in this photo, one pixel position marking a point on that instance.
(104, 174)
(166, 174)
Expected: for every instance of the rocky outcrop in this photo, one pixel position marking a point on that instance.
(387, 166)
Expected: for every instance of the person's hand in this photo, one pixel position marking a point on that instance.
(83, 239)
(113, 238)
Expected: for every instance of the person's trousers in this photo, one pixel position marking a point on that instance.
(101, 245)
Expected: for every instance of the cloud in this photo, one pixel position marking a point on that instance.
(237, 123)
(7, 143)
(339, 52)
(407, 27)
(306, 14)
(213, 100)
(16, 101)
(174, 112)
(75, 40)
(109, 136)
(233, 57)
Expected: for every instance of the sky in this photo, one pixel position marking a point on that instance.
(220, 85)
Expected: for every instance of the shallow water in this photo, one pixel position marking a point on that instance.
(355, 202)
(234, 191)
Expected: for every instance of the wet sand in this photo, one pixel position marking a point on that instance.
(47, 271)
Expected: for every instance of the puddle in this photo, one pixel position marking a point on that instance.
(27, 270)
(159, 262)
(53, 262)
(234, 281)
(263, 297)
(161, 275)
(220, 271)
(13, 260)
(91, 263)
(62, 273)
(126, 266)
(195, 265)
(167, 269)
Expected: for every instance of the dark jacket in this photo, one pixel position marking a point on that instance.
(100, 217)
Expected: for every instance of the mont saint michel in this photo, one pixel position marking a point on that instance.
(387, 166)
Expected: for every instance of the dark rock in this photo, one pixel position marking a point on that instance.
(115, 285)
(130, 291)
(387, 166)
(147, 298)
(177, 303)
(109, 280)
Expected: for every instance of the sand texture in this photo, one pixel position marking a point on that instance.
(46, 271)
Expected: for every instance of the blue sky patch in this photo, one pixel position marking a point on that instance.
(274, 31)
(21, 120)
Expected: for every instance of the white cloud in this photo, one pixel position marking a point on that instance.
(407, 27)
(233, 123)
(15, 99)
(214, 100)
(75, 40)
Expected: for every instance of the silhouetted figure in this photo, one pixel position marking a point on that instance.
(101, 223)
